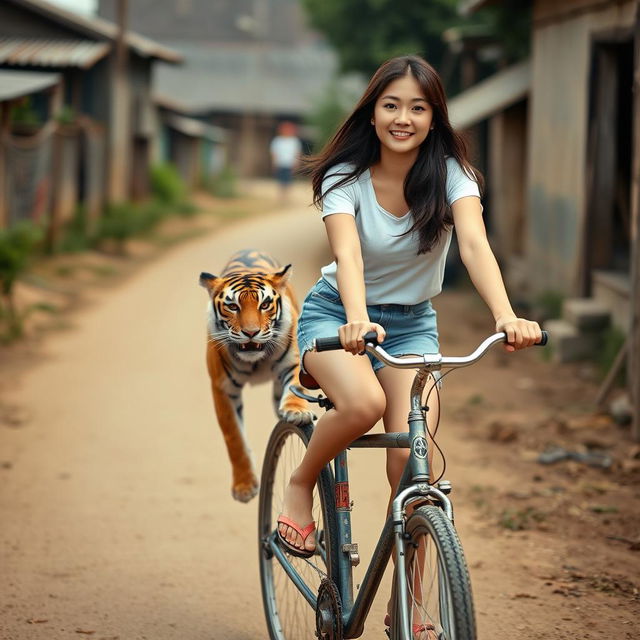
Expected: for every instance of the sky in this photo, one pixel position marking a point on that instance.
(80, 6)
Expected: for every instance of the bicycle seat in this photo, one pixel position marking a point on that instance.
(308, 381)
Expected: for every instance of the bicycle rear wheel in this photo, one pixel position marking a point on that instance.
(289, 614)
(437, 584)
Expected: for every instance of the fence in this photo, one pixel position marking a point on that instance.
(50, 171)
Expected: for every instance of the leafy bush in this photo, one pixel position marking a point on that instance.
(149, 214)
(224, 184)
(328, 114)
(119, 222)
(17, 245)
(66, 115)
(167, 185)
(23, 113)
(75, 236)
(549, 304)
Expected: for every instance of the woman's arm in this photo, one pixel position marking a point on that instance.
(345, 245)
(485, 274)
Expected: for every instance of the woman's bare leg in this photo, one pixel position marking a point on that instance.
(359, 403)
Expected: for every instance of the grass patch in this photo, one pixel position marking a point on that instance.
(475, 399)
(612, 341)
(520, 519)
(549, 304)
(603, 508)
(102, 270)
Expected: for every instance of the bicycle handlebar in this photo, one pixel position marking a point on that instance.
(430, 361)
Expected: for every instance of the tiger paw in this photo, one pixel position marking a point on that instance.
(246, 489)
(296, 415)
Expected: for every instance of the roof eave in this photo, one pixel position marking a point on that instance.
(101, 29)
(467, 7)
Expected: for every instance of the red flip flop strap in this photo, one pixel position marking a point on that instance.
(419, 628)
(304, 532)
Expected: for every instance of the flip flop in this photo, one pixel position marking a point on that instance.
(416, 628)
(302, 532)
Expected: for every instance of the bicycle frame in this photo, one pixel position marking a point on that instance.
(414, 485)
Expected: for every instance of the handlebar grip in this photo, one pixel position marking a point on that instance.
(333, 343)
(328, 344)
(545, 339)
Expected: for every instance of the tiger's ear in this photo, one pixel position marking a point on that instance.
(281, 278)
(209, 282)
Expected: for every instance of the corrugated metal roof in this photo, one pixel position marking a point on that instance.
(39, 52)
(17, 84)
(195, 128)
(491, 95)
(99, 28)
(240, 79)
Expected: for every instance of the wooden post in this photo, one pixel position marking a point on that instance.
(5, 109)
(119, 119)
(634, 325)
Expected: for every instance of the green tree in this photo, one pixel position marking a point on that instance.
(367, 32)
(329, 112)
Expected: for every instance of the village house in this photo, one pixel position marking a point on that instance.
(248, 66)
(107, 117)
(559, 150)
(562, 144)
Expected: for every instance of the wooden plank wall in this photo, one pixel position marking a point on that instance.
(558, 132)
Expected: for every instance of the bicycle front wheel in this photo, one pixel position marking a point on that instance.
(438, 590)
(288, 582)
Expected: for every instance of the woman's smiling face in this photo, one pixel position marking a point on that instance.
(402, 116)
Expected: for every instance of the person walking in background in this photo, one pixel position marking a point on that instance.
(285, 155)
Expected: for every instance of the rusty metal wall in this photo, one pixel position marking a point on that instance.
(561, 58)
(28, 183)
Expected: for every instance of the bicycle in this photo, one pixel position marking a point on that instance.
(303, 597)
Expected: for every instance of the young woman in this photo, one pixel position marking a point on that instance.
(392, 183)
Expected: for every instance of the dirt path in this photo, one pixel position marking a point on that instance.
(116, 518)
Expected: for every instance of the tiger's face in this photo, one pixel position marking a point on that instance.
(247, 311)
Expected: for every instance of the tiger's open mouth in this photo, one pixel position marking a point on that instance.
(250, 346)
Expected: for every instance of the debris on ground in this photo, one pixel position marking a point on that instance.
(554, 454)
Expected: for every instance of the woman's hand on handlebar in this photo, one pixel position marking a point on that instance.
(521, 333)
(352, 335)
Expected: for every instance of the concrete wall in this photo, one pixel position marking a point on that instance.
(558, 116)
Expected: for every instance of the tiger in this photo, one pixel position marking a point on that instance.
(252, 317)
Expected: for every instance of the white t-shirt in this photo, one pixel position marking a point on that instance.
(394, 273)
(285, 150)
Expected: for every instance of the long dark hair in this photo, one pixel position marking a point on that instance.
(356, 143)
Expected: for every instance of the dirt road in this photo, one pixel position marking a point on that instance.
(116, 519)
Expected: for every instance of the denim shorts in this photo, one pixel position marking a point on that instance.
(410, 329)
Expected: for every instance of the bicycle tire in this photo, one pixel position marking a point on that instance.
(438, 585)
(288, 614)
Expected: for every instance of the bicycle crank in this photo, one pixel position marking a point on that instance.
(328, 612)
